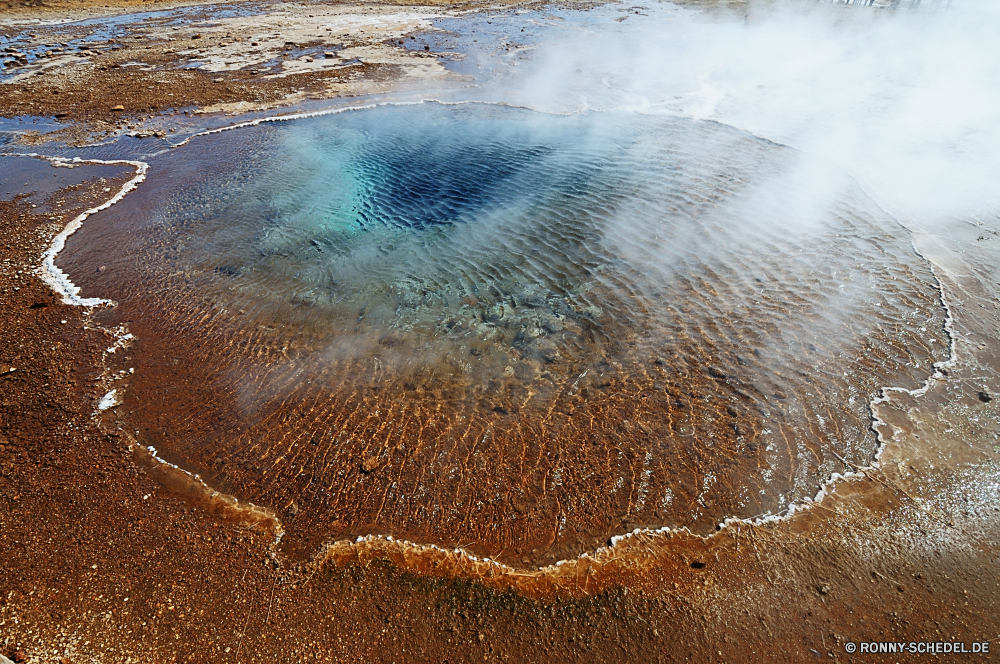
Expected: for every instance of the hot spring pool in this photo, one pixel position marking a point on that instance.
(486, 326)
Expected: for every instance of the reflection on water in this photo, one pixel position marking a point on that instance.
(482, 325)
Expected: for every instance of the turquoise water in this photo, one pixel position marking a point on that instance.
(481, 323)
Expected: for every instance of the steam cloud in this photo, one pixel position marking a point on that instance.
(907, 101)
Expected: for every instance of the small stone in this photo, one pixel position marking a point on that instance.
(197, 36)
(329, 54)
(255, 43)
(824, 589)
(369, 464)
(119, 107)
(985, 396)
(308, 59)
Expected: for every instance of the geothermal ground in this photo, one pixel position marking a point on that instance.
(109, 554)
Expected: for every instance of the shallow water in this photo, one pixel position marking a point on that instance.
(480, 325)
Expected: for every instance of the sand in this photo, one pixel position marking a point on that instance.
(106, 555)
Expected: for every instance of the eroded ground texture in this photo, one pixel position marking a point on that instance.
(108, 555)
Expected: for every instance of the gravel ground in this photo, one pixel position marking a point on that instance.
(108, 556)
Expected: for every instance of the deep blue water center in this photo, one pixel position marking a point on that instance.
(483, 323)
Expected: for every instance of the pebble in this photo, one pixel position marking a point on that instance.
(985, 396)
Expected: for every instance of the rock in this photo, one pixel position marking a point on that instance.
(196, 36)
(369, 464)
(329, 54)
(824, 589)
(143, 133)
(218, 80)
(119, 107)
(985, 396)
(308, 59)
(4, 660)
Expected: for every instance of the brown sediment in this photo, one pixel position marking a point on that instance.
(276, 56)
(337, 453)
(907, 554)
(152, 70)
(86, 520)
(143, 94)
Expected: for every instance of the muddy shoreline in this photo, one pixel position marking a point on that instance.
(86, 525)
(107, 556)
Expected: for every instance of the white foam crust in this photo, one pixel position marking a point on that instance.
(49, 272)
(61, 283)
(109, 400)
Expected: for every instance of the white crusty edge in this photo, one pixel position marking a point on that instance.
(61, 283)
(49, 272)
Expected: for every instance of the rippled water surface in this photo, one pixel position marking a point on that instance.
(480, 325)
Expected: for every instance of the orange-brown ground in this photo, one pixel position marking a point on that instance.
(101, 561)
(85, 522)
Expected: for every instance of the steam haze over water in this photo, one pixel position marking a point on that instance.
(662, 292)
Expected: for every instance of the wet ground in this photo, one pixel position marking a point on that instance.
(445, 352)
(108, 554)
(103, 561)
